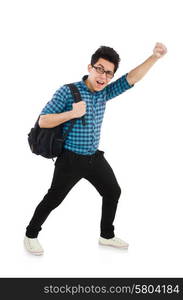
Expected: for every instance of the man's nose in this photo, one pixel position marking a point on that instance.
(103, 76)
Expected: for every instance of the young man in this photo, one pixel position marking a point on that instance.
(81, 157)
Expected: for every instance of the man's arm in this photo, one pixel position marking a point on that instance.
(53, 113)
(52, 120)
(136, 74)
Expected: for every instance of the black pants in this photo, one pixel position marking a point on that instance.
(69, 169)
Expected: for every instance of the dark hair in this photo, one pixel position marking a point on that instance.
(107, 53)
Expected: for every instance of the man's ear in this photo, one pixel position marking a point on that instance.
(89, 68)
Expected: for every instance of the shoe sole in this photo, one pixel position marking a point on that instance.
(120, 247)
(36, 253)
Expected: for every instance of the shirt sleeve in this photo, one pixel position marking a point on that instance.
(58, 102)
(117, 87)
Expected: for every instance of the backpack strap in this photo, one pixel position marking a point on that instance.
(77, 97)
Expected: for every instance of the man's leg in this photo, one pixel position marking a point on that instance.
(104, 180)
(63, 180)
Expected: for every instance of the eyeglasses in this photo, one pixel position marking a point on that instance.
(101, 70)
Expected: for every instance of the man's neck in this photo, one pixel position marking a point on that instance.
(89, 85)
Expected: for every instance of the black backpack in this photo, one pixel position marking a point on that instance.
(49, 142)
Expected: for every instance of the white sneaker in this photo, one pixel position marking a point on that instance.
(33, 246)
(115, 242)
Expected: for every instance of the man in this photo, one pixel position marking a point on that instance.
(81, 157)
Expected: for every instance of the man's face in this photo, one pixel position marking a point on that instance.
(97, 81)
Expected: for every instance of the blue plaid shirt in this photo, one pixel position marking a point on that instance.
(85, 139)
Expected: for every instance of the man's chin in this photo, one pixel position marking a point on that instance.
(99, 88)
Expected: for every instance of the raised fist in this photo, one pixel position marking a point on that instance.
(159, 50)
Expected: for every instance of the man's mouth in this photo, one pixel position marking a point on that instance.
(101, 83)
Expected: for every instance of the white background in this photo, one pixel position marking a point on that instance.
(45, 44)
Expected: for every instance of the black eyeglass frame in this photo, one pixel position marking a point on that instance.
(109, 74)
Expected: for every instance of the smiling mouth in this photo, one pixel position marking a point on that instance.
(100, 82)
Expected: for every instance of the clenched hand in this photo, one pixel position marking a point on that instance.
(79, 109)
(159, 50)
